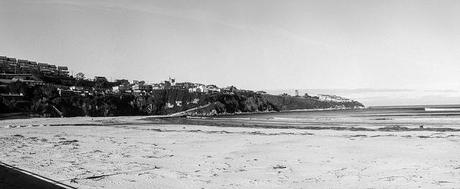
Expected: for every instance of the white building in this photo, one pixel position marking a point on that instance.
(333, 98)
(199, 89)
(76, 88)
(212, 88)
(116, 89)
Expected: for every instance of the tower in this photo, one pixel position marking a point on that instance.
(172, 81)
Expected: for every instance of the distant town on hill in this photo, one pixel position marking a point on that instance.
(40, 89)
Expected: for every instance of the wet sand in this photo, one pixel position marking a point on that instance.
(130, 152)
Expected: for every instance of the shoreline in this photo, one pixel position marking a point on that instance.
(223, 122)
(26, 115)
(124, 152)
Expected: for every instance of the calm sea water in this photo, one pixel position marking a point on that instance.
(381, 116)
(375, 111)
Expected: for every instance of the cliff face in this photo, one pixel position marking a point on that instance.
(46, 101)
(248, 101)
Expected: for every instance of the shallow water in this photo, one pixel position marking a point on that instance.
(434, 116)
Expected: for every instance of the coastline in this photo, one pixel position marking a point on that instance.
(123, 152)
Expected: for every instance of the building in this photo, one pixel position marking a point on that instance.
(172, 81)
(146, 88)
(63, 70)
(25, 78)
(166, 85)
(8, 65)
(212, 88)
(184, 85)
(45, 69)
(333, 98)
(26, 66)
(76, 88)
(22, 66)
(100, 79)
(122, 82)
(64, 92)
(200, 88)
(142, 87)
(116, 89)
(157, 86)
(230, 89)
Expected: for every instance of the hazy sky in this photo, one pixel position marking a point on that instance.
(253, 44)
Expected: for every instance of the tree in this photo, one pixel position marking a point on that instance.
(80, 76)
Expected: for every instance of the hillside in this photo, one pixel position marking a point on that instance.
(46, 100)
(293, 103)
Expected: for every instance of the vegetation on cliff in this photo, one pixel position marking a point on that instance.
(45, 100)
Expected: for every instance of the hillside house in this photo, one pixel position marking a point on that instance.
(212, 88)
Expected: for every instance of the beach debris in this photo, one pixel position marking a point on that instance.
(74, 180)
(100, 177)
(383, 118)
(442, 182)
(279, 167)
(97, 177)
(67, 142)
(358, 136)
(393, 128)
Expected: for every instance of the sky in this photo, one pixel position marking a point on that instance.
(385, 45)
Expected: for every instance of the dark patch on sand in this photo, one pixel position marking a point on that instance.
(326, 126)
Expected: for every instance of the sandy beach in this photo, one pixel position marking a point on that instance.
(127, 152)
(229, 94)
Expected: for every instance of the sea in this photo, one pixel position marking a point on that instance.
(411, 116)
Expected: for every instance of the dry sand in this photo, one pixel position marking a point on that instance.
(129, 153)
